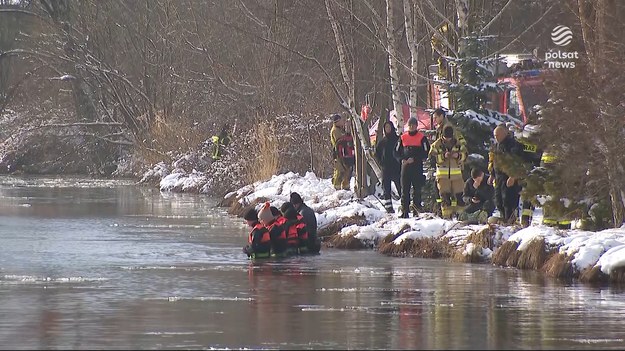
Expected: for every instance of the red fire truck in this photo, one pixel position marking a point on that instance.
(526, 91)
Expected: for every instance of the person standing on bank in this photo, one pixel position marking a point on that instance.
(450, 155)
(412, 149)
(441, 120)
(391, 168)
(507, 189)
(343, 152)
(220, 142)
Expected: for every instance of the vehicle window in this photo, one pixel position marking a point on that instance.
(514, 107)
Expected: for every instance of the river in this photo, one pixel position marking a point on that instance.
(104, 264)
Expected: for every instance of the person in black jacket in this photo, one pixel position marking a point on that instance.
(385, 154)
(412, 148)
(478, 194)
(310, 218)
(507, 188)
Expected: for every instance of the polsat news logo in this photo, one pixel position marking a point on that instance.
(561, 36)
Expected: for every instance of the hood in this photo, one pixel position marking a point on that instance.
(393, 130)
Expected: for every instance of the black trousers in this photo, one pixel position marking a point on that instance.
(506, 198)
(411, 178)
(390, 175)
(487, 206)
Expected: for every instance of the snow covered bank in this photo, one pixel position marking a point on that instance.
(347, 222)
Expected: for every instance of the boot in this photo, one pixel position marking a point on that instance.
(482, 217)
(447, 212)
(414, 209)
(403, 215)
(388, 206)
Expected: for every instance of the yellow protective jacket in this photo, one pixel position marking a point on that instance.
(448, 166)
(335, 134)
(457, 134)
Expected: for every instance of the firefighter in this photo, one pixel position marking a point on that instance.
(412, 149)
(391, 168)
(507, 188)
(343, 152)
(259, 242)
(532, 155)
(442, 121)
(220, 142)
(547, 161)
(450, 155)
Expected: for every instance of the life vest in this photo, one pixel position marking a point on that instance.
(278, 224)
(265, 238)
(412, 140)
(296, 233)
(292, 236)
(345, 149)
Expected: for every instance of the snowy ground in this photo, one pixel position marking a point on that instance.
(605, 248)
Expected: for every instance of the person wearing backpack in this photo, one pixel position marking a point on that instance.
(343, 152)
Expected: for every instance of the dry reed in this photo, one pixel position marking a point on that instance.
(500, 256)
(533, 256)
(267, 160)
(558, 265)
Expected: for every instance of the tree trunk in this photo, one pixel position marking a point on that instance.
(411, 38)
(393, 66)
(462, 9)
(360, 134)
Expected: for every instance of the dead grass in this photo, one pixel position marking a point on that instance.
(501, 255)
(513, 258)
(593, 275)
(473, 257)
(483, 237)
(420, 247)
(534, 255)
(558, 265)
(163, 135)
(386, 246)
(617, 275)
(334, 228)
(345, 242)
(267, 160)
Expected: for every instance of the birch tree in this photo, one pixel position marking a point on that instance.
(393, 67)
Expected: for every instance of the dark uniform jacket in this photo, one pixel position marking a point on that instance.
(507, 146)
(484, 192)
(385, 150)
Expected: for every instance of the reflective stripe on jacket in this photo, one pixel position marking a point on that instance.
(448, 166)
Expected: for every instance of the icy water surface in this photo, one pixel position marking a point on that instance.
(105, 264)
